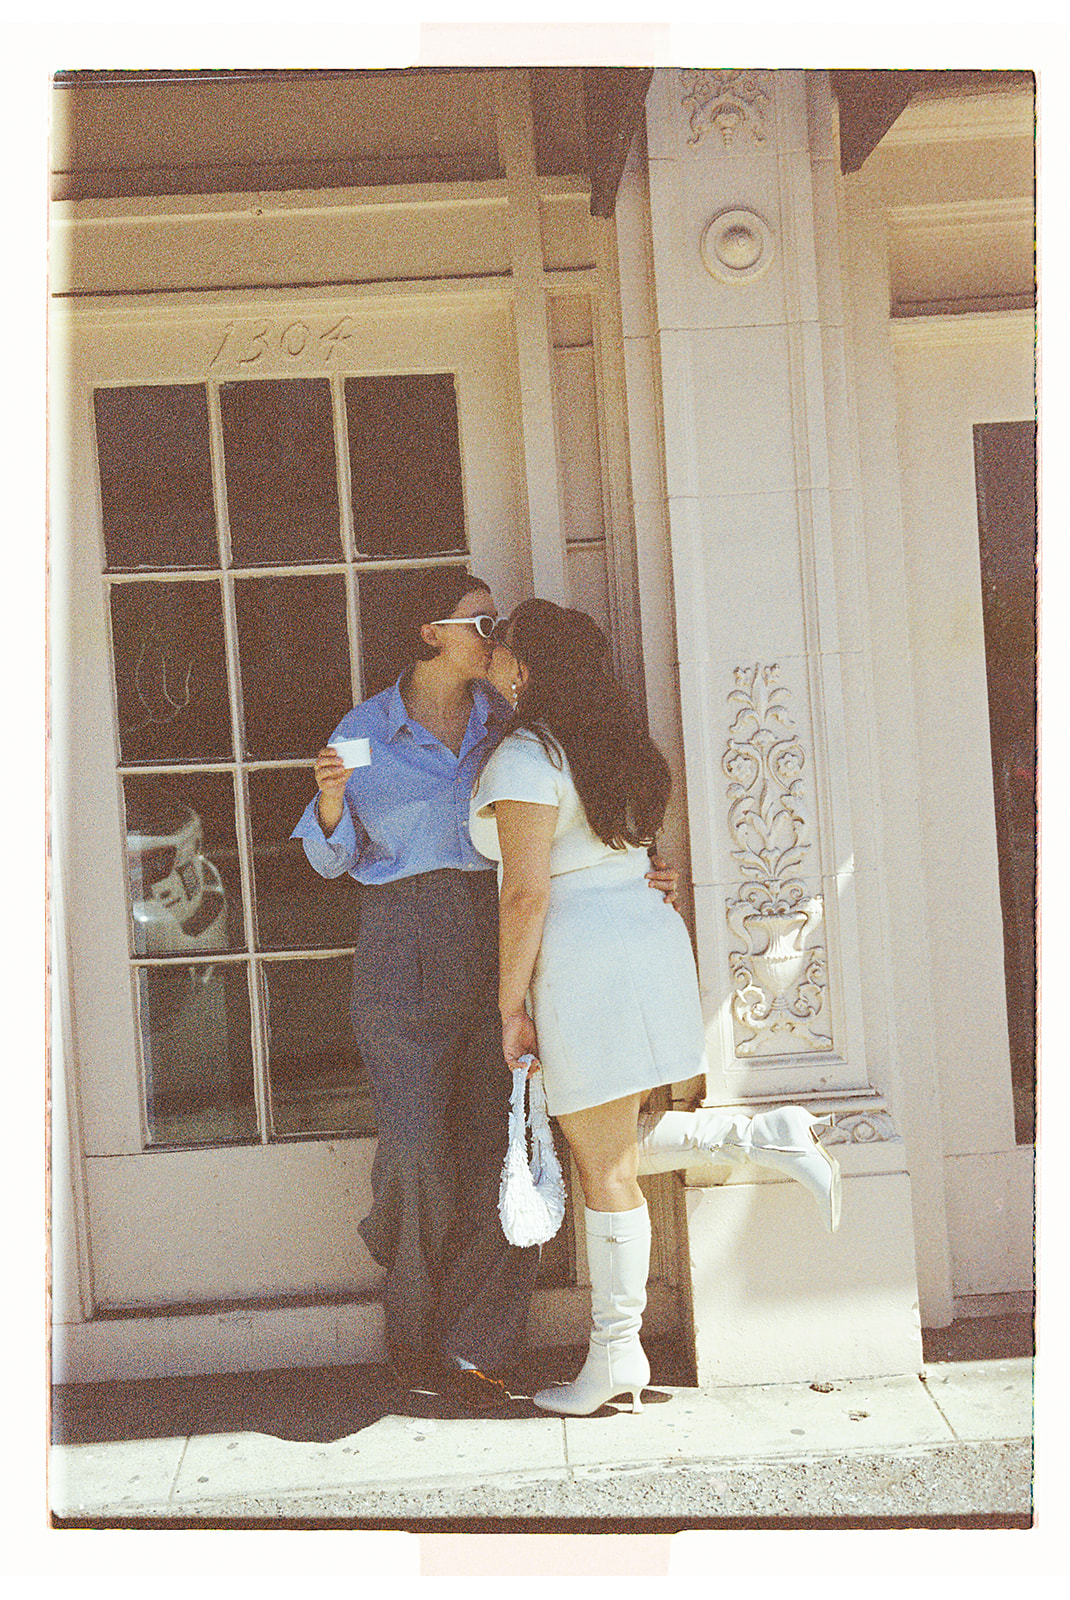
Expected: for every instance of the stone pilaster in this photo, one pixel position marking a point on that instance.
(762, 485)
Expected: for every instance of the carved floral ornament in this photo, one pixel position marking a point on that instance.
(779, 978)
(861, 1127)
(730, 101)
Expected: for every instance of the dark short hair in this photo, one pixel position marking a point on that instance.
(425, 595)
(394, 605)
(434, 592)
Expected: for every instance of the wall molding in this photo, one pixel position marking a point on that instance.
(944, 214)
(964, 327)
(995, 114)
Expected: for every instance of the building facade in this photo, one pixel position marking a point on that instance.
(673, 347)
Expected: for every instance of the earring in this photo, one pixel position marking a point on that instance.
(516, 694)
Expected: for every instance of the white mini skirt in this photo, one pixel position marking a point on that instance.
(614, 991)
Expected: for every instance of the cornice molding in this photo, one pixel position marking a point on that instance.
(945, 119)
(961, 213)
(964, 327)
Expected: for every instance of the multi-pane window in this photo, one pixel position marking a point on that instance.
(259, 538)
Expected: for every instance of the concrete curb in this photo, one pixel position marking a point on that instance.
(965, 1479)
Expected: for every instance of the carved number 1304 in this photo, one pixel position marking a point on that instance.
(251, 342)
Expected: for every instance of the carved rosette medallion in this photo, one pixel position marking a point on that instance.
(730, 102)
(737, 246)
(779, 974)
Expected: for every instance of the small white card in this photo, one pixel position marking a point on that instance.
(354, 752)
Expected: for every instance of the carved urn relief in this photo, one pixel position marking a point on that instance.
(779, 975)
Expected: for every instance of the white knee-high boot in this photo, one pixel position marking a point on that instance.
(672, 1140)
(618, 1253)
(785, 1140)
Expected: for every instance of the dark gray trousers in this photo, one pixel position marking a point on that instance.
(425, 1016)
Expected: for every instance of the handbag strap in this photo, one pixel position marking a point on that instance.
(516, 1106)
(538, 1114)
(534, 1114)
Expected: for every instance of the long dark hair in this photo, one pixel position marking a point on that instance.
(572, 701)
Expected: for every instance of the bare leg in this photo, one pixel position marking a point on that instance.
(603, 1143)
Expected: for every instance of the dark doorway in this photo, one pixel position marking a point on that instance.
(1005, 464)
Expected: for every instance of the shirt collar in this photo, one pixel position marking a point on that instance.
(487, 703)
(396, 715)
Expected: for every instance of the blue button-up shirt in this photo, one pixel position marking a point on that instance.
(408, 811)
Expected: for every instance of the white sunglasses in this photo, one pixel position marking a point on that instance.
(483, 625)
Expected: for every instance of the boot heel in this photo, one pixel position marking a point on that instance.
(787, 1141)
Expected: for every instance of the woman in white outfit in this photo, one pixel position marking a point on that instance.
(568, 804)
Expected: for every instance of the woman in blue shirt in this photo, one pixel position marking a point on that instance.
(425, 997)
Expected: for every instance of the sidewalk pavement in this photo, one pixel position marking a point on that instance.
(340, 1447)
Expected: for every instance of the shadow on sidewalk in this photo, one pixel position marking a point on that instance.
(1001, 1338)
(322, 1404)
(306, 1404)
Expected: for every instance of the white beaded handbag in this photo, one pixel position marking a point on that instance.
(531, 1195)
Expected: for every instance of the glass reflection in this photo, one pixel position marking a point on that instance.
(156, 501)
(296, 909)
(318, 1082)
(405, 463)
(170, 672)
(182, 856)
(197, 1057)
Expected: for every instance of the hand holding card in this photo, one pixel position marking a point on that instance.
(353, 752)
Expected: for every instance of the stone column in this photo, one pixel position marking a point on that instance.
(762, 482)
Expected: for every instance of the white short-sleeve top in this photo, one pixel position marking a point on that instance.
(521, 769)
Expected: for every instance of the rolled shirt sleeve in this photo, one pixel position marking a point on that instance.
(334, 854)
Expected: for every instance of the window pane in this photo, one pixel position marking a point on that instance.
(198, 1062)
(405, 463)
(295, 663)
(318, 1083)
(185, 881)
(156, 476)
(282, 489)
(296, 909)
(170, 673)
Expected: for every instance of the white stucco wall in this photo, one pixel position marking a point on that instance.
(952, 373)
